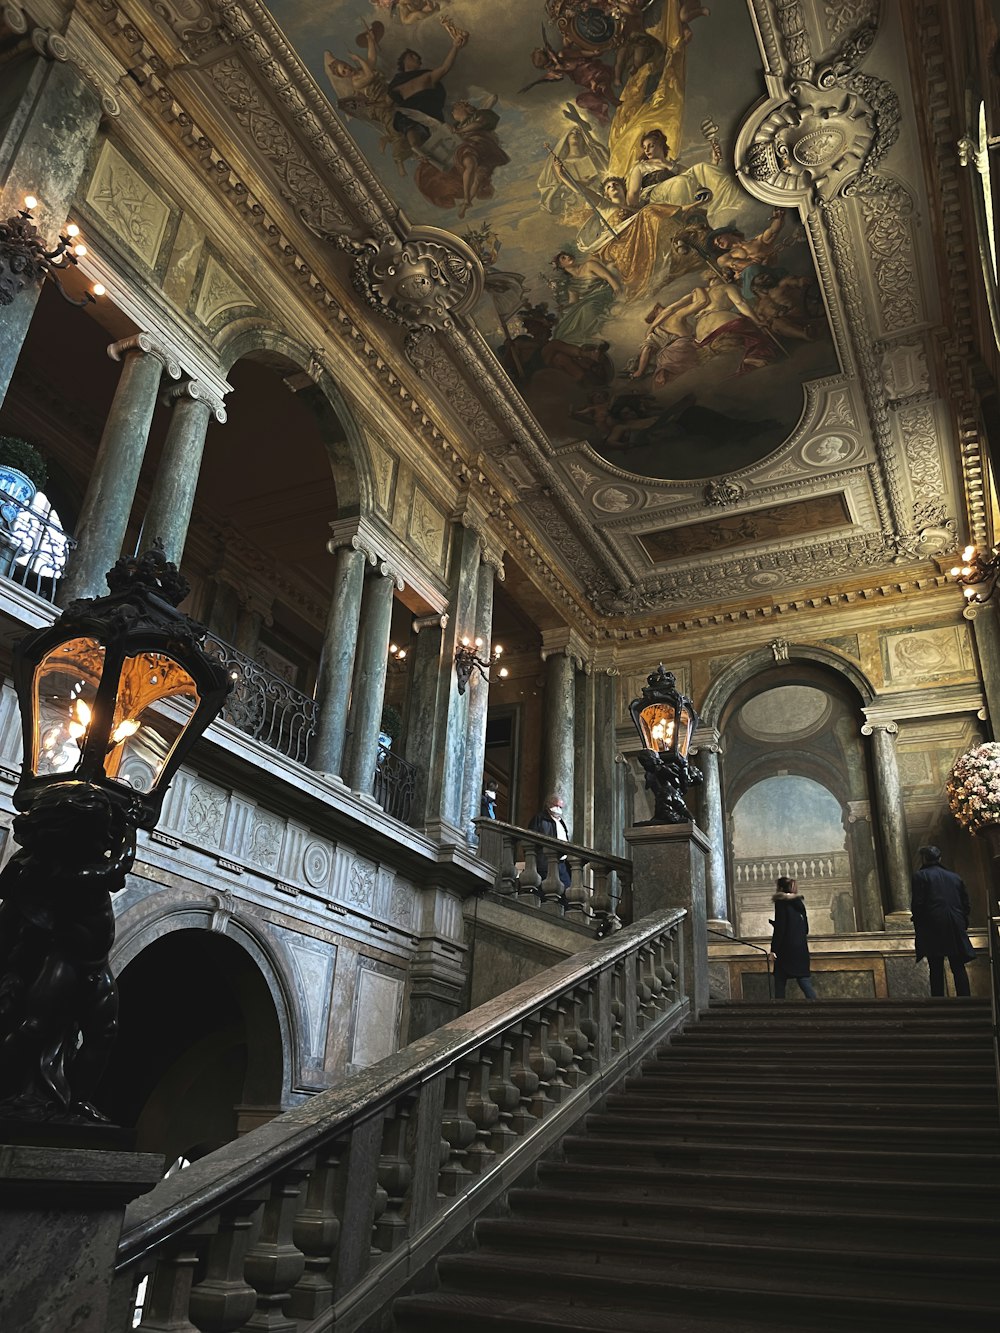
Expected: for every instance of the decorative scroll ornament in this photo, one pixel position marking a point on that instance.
(423, 281)
(724, 492)
(827, 138)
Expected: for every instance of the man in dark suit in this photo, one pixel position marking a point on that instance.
(939, 903)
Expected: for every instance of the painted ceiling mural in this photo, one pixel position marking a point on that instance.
(640, 299)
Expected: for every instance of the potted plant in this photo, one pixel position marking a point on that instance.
(23, 471)
(974, 787)
(390, 726)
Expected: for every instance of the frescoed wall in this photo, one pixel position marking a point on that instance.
(636, 294)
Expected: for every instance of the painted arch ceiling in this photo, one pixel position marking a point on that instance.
(697, 352)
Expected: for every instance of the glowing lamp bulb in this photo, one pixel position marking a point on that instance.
(954, 571)
(30, 202)
(98, 289)
(124, 730)
(80, 250)
(968, 553)
(72, 230)
(479, 643)
(402, 654)
(504, 673)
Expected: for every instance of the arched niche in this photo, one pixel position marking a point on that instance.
(206, 1031)
(796, 716)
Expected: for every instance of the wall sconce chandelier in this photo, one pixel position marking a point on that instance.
(467, 660)
(977, 574)
(665, 720)
(24, 260)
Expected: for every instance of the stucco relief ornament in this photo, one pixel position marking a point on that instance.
(423, 281)
(724, 492)
(826, 138)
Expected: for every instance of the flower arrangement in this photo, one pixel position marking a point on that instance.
(974, 787)
(18, 453)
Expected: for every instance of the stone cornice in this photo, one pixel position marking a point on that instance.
(382, 548)
(927, 701)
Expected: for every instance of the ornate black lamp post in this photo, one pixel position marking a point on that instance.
(665, 720)
(112, 698)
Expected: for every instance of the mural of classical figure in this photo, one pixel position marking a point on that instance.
(475, 154)
(656, 178)
(588, 289)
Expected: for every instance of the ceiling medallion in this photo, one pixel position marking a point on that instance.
(724, 492)
(424, 280)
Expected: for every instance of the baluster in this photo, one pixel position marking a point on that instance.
(459, 1131)
(552, 886)
(169, 1291)
(572, 1020)
(223, 1299)
(482, 1111)
(601, 896)
(504, 1092)
(524, 1079)
(643, 992)
(275, 1263)
(544, 1066)
(559, 1050)
(617, 1007)
(395, 1176)
(508, 872)
(317, 1232)
(625, 910)
(575, 896)
(530, 883)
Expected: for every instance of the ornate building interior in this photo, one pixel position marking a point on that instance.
(399, 335)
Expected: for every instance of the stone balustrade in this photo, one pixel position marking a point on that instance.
(600, 887)
(319, 1217)
(807, 866)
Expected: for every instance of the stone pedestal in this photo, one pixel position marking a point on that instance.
(668, 870)
(61, 1213)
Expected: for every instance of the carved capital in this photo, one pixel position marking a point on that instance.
(146, 345)
(890, 728)
(423, 281)
(388, 571)
(198, 392)
(430, 622)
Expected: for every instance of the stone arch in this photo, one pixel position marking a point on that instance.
(234, 977)
(350, 460)
(762, 660)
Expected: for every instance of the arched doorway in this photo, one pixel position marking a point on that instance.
(199, 1040)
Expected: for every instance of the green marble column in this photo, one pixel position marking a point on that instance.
(430, 681)
(368, 684)
(336, 665)
(987, 636)
(169, 512)
(607, 825)
(864, 872)
(115, 474)
(559, 724)
(479, 699)
(44, 148)
(891, 818)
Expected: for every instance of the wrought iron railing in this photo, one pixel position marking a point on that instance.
(33, 547)
(600, 887)
(318, 1218)
(263, 705)
(394, 785)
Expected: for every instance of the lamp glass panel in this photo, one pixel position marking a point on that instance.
(658, 726)
(684, 729)
(157, 698)
(65, 686)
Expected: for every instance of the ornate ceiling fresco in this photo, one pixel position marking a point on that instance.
(639, 297)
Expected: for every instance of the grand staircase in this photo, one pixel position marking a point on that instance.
(800, 1166)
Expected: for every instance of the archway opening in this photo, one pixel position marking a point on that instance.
(199, 1045)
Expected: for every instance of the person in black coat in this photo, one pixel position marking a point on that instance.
(789, 950)
(549, 821)
(939, 903)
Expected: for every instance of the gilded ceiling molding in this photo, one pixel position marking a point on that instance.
(424, 280)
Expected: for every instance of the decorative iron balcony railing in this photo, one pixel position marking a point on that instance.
(600, 887)
(318, 1218)
(263, 705)
(33, 548)
(395, 784)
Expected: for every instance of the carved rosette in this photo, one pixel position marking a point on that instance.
(423, 281)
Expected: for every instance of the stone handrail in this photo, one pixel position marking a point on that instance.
(319, 1217)
(600, 887)
(804, 866)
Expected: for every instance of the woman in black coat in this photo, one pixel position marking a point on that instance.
(789, 950)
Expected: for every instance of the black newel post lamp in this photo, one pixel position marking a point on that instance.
(665, 720)
(112, 698)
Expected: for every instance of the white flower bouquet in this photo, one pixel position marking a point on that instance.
(974, 787)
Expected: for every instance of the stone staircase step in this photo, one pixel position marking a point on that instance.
(851, 1227)
(897, 1134)
(798, 1109)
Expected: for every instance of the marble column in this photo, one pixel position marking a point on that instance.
(582, 803)
(169, 512)
(368, 683)
(891, 819)
(115, 474)
(706, 751)
(987, 636)
(479, 696)
(607, 825)
(336, 663)
(52, 122)
(559, 725)
(429, 685)
(864, 870)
